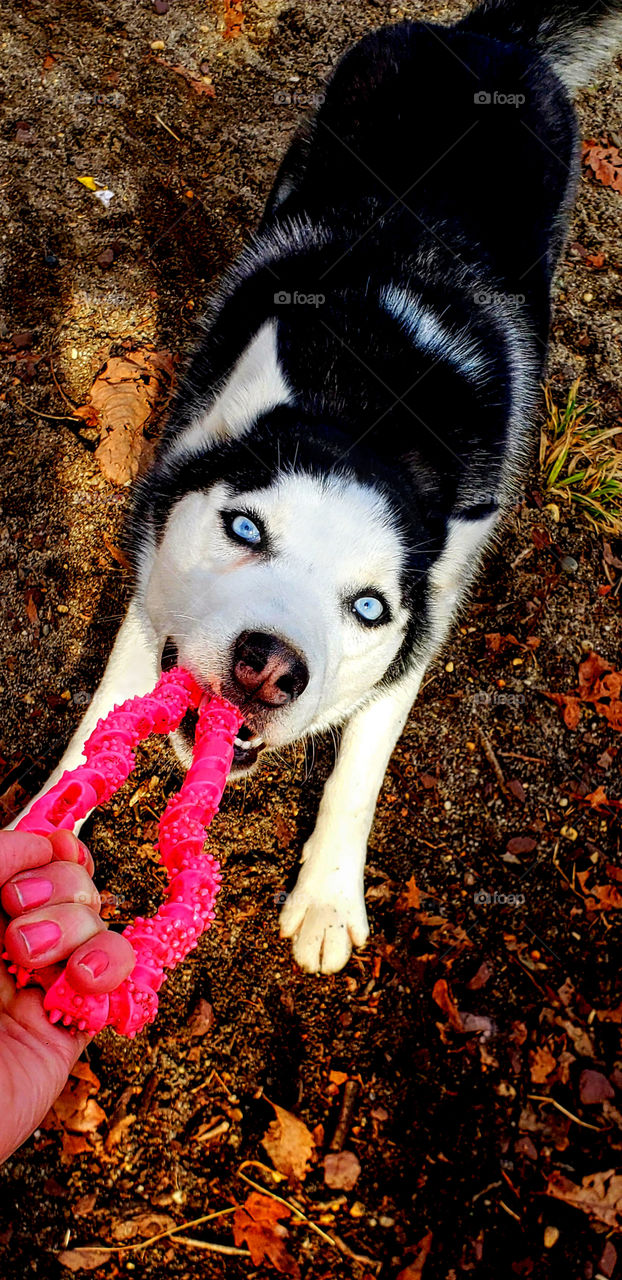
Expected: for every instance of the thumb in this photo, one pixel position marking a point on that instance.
(100, 964)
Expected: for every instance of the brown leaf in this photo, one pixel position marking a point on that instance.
(289, 1144)
(480, 978)
(410, 898)
(600, 1195)
(234, 19)
(445, 1001)
(594, 1087)
(605, 163)
(414, 1270)
(31, 608)
(116, 552)
(84, 1259)
(257, 1224)
(122, 403)
(542, 1063)
(341, 1170)
(144, 1225)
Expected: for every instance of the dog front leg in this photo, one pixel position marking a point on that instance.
(325, 913)
(131, 670)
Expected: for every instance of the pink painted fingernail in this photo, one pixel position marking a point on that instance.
(33, 891)
(39, 936)
(83, 854)
(95, 963)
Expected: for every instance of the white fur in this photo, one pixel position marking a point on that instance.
(422, 324)
(331, 538)
(254, 386)
(576, 67)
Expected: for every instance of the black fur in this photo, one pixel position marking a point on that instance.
(443, 162)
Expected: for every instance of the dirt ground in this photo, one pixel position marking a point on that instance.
(485, 798)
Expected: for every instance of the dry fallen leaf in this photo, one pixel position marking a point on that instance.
(289, 1144)
(121, 403)
(234, 19)
(445, 1001)
(85, 1259)
(257, 1224)
(542, 1063)
(414, 1270)
(600, 687)
(605, 163)
(600, 1195)
(410, 898)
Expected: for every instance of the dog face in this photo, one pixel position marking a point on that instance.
(287, 599)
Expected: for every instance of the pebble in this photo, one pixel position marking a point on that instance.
(551, 1236)
(569, 564)
(157, 46)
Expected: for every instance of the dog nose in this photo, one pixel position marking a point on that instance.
(268, 669)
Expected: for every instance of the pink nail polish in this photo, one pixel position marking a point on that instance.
(95, 963)
(83, 854)
(33, 891)
(39, 936)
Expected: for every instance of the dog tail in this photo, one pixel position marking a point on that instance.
(575, 35)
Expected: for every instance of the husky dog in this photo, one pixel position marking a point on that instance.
(358, 413)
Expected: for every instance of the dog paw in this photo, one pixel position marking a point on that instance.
(324, 927)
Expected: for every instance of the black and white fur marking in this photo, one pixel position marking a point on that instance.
(357, 415)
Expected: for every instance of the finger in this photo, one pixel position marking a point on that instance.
(21, 849)
(50, 934)
(100, 964)
(57, 882)
(67, 848)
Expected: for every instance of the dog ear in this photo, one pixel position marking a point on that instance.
(253, 387)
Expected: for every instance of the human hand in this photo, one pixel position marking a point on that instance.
(50, 914)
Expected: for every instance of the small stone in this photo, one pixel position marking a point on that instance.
(157, 46)
(569, 564)
(449, 666)
(588, 297)
(161, 6)
(551, 1236)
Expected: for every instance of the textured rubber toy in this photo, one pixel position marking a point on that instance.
(165, 939)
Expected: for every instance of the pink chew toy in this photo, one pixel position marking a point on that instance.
(164, 940)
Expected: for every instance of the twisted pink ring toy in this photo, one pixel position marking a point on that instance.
(165, 939)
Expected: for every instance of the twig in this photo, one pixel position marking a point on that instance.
(508, 1210)
(61, 393)
(38, 413)
(492, 759)
(335, 1241)
(212, 1248)
(143, 1244)
(348, 1104)
(165, 126)
(540, 1097)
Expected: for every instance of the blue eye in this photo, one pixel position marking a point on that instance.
(369, 608)
(245, 530)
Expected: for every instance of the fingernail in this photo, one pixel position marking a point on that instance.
(83, 854)
(95, 963)
(33, 892)
(39, 936)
